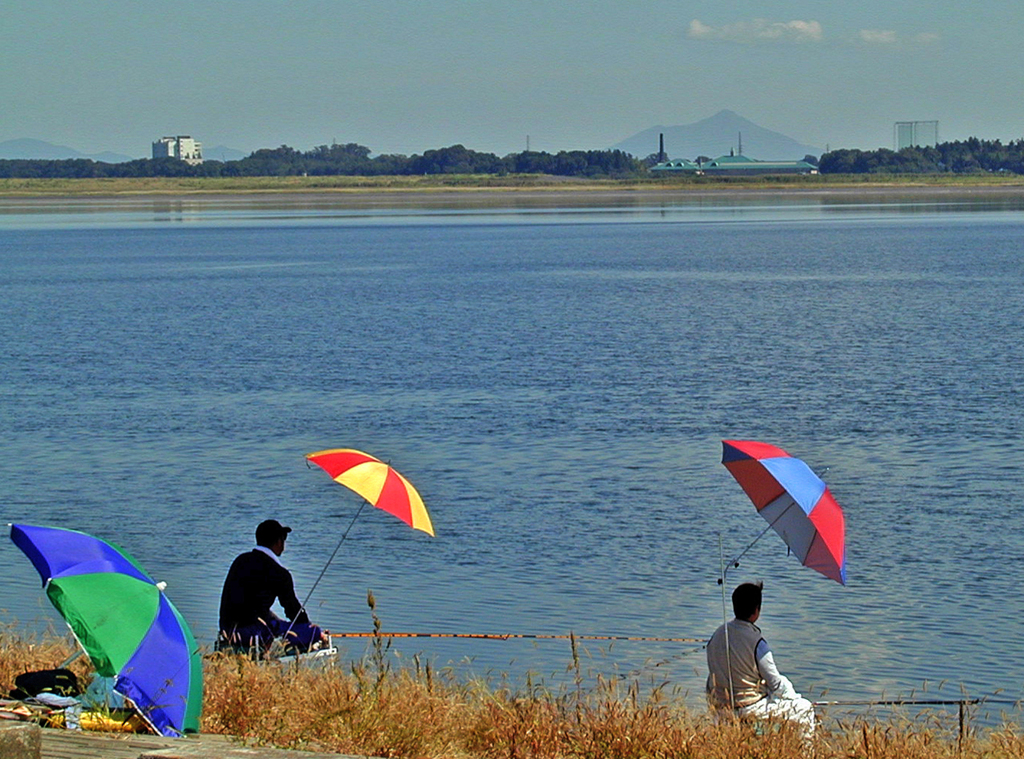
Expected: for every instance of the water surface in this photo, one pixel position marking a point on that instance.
(556, 382)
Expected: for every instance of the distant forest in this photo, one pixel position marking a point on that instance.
(342, 160)
(970, 156)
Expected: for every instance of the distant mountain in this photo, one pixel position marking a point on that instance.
(224, 154)
(108, 157)
(716, 136)
(45, 151)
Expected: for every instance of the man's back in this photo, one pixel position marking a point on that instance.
(734, 667)
(252, 585)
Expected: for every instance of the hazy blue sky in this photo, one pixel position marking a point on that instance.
(401, 77)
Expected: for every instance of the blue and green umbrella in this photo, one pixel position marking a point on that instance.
(123, 621)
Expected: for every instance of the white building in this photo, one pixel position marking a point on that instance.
(182, 147)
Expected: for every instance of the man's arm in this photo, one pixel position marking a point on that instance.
(778, 685)
(289, 602)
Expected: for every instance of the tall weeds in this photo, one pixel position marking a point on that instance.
(372, 708)
(417, 713)
(22, 652)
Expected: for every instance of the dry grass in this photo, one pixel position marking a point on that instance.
(454, 183)
(370, 708)
(23, 652)
(414, 713)
(337, 184)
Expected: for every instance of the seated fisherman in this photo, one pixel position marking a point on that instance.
(255, 581)
(742, 675)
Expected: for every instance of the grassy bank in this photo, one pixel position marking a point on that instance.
(481, 182)
(218, 185)
(370, 708)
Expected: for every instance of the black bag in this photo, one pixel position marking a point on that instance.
(60, 682)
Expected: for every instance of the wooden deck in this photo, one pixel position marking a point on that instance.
(75, 744)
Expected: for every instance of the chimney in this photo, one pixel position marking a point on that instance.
(661, 148)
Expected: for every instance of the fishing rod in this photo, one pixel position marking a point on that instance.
(911, 701)
(509, 636)
(960, 703)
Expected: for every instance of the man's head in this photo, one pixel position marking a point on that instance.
(271, 534)
(746, 600)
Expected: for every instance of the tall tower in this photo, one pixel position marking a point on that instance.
(909, 134)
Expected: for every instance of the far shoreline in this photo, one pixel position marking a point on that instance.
(488, 189)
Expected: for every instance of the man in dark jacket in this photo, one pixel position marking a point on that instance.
(255, 581)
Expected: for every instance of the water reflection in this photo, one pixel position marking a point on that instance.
(504, 206)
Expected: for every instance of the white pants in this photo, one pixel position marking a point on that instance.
(797, 710)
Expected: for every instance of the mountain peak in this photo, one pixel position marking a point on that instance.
(30, 149)
(715, 136)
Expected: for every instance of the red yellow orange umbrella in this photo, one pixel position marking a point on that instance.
(377, 482)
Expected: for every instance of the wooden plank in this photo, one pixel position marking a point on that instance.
(80, 744)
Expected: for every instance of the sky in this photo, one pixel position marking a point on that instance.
(398, 76)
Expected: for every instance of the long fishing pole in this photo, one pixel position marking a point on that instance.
(510, 636)
(960, 703)
(912, 702)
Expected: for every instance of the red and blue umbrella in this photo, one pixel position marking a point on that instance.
(794, 501)
(123, 621)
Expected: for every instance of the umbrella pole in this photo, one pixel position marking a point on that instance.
(333, 554)
(64, 664)
(725, 622)
(736, 562)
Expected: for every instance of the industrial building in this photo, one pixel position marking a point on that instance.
(734, 166)
(181, 147)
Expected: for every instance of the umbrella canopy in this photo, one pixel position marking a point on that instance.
(794, 501)
(123, 621)
(376, 482)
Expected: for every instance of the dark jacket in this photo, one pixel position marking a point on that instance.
(253, 583)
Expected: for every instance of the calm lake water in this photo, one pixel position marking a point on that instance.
(556, 381)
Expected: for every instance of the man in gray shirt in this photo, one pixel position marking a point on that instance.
(742, 676)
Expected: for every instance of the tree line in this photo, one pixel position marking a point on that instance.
(970, 156)
(341, 160)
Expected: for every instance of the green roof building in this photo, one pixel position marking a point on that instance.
(734, 166)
